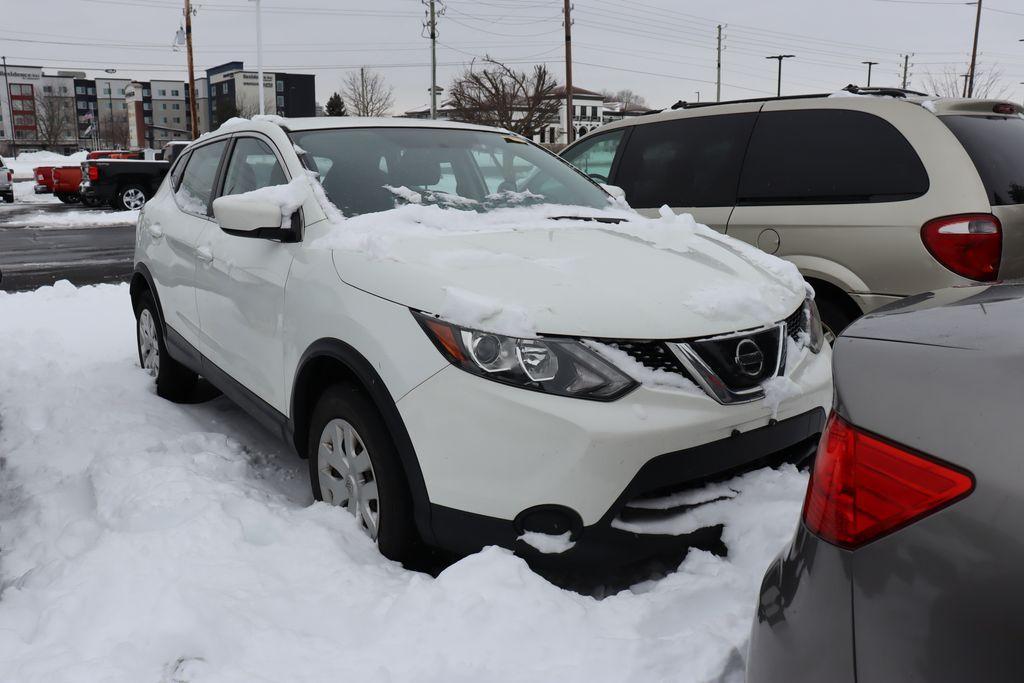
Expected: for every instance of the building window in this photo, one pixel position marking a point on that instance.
(146, 106)
(83, 105)
(177, 119)
(163, 105)
(224, 89)
(120, 91)
(124, 105)
(146, 92)
(280, 86)
(176, 105)
(148, 119)
(92, 91)
(80, 90)
(106, 91)
(175, 93)
(48, 89)
(280, 100)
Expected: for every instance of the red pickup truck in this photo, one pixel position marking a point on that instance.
(44, 179)
(66, 179)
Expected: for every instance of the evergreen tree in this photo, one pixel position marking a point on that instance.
(336, 106)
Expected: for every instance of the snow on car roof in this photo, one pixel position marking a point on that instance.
(321, 122)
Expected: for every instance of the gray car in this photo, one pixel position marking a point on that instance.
(908, 560)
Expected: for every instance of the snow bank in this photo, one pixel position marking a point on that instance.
(73, 218)
(147, 541)
(23, 164)
(24, 193)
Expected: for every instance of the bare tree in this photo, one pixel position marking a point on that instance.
(55, 118)
(625, 96)
(497, 95)
(247, 107)
(366, 93)
(116, 131)
(988, 83)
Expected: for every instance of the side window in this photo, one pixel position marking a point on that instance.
(685, 162)
(595, 155)
(829, 156)
(177, 171)
(196, 186)
(253, 165)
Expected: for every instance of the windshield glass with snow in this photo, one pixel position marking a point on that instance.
(996, 146)
(365, 170)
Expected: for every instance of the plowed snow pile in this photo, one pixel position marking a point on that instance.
(142, 541)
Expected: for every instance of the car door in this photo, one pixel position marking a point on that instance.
(240, 282)
(841, 193)
(690, 163)
(170, 233)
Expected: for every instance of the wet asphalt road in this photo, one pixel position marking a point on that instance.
(35, 250)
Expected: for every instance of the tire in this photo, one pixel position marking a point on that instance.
(173, 380)
(129, 197)
(344, 406)
(834, 317)
(68, 198)
(9, 197)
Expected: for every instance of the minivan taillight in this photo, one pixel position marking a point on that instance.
(94, 173)
(969, 244)
(864, 487)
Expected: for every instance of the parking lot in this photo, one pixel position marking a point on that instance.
(43, 240)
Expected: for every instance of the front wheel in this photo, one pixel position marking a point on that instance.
(173, 380)
(353, 464)
(130, 198)
(66, 198)
(834, 318)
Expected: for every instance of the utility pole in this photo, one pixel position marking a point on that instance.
(965, 77)
(778, 89)
(718, 68)
(10, 104)
(870, 64)
(906, 67)
(570, 130)
(974, 53)
(259, 57)
(432, 27)
(192, 114)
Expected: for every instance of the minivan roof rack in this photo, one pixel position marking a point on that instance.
(693, 105)
(883, 92)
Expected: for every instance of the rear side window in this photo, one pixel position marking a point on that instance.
(686, 162)
(830, 156)
(996, 146)
(594, 156)
(196, 187)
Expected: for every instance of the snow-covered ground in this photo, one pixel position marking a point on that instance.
(25, 194)
(73, 216)
(146, 541)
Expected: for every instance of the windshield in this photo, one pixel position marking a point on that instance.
(996, 146)
(365, 170)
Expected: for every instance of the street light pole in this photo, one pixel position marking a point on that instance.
(778, 89)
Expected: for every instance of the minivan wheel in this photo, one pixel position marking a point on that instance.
(353, 464)
(130, 198)
(834, 318)
(173, 380)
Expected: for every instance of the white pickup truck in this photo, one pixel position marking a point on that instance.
(6, 183)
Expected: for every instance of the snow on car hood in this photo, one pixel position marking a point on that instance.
(545, 269)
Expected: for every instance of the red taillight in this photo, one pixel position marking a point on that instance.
(94, 173)
(863, 487)
(970, 244)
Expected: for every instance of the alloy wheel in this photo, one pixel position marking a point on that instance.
(133, 198)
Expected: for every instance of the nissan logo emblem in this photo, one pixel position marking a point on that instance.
(749, 358)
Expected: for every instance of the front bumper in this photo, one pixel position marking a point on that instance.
(489, 452)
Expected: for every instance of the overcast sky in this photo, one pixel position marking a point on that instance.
(663, 49)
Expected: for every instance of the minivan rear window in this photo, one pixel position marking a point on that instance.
(829, 156)
(996, 146)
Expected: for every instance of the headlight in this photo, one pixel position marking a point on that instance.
(811, 333)
(564, 367)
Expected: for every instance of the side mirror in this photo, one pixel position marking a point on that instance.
(248, 217)
(613, 190)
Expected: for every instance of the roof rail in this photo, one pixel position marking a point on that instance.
(883, 92)
(693, 105)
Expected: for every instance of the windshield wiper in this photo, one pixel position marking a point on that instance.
(596, 219)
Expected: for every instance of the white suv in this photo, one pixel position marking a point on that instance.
(472, 342)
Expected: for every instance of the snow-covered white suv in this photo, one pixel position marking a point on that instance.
(472, 342)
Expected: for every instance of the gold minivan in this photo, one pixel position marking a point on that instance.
(873, 196)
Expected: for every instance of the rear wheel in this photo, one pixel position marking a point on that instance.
(353, 464)
(9, 197)
(68, 198)
(130, 198)
(173, 380)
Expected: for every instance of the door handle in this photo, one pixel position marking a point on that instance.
(204, 253)
(155, 231)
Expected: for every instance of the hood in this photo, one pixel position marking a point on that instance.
(665, 278)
